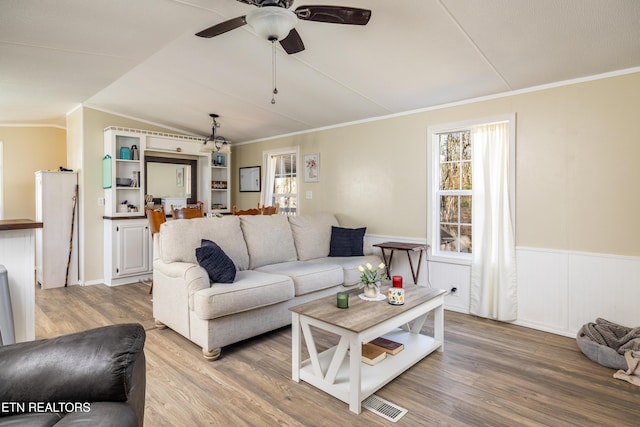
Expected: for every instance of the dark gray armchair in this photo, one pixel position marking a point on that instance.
(95, 377)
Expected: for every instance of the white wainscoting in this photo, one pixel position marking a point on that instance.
(558, 291)
(447, 276)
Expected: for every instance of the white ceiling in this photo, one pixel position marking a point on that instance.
(141, 59)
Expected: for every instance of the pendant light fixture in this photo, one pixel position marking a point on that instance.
(215, 142)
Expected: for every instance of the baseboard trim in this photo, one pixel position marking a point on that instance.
(543, 328)
(456, 309)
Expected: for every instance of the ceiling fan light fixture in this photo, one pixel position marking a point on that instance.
(272, 22)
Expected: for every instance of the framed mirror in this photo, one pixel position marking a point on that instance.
(171, 177)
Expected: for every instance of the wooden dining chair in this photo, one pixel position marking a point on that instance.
(255, 211)
(270, 210)
(188, 213)
(156, 217)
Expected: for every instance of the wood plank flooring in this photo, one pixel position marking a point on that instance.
(490, 374)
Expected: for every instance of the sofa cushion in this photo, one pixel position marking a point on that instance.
(179, 239)
(308, 276)
(251, 289)
(350, 266)
(219, 266)
(312, 234)
(347, 241)
(269, 239)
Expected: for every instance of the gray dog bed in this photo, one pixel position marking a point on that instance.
(605, 342)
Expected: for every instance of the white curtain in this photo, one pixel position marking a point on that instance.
(270, 175)
(493, 274)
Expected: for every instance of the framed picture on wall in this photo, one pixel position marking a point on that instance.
(312, 167)
(179, 177)
(250, 179)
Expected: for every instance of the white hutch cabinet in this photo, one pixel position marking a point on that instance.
(127, 239)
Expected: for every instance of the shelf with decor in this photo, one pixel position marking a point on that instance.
(220, 182)
(124, 194)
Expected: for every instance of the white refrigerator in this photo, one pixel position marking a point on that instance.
(56, 245)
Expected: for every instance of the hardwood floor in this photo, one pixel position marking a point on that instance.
(490, 374)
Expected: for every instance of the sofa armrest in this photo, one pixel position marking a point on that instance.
(193, 277)
(98, 365)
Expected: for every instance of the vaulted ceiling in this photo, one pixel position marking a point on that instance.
(141, 59)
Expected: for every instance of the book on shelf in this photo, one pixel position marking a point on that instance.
(389, 346)
(372, 355)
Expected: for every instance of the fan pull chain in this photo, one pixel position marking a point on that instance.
(273, 71)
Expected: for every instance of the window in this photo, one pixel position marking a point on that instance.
(454, 192)
(281, 180)
(451, 187)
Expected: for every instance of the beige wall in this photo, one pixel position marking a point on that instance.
(27, 150)
(577, 151)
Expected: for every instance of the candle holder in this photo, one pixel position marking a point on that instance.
(397, 281)
(395, 296)
(343, 300)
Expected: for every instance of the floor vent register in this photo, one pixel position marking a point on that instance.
(384, 408)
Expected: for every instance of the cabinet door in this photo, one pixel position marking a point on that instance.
(133, 249)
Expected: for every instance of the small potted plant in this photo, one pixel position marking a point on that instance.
(371, 279)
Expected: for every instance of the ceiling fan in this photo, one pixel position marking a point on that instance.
(274, 21)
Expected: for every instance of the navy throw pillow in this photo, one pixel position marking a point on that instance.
(219, 266)
(347, 241)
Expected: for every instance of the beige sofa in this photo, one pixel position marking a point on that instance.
(280, 262)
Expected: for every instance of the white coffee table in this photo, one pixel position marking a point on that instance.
(343, 375)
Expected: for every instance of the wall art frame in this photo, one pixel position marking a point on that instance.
(250, 179)
(312, 167)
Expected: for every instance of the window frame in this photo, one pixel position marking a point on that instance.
(433, 181)
(268, 184)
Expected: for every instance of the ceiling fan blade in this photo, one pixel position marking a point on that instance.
(334, 14)
(222, 27)
(292, 43)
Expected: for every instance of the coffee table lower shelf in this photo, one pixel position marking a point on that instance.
(372, 378)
